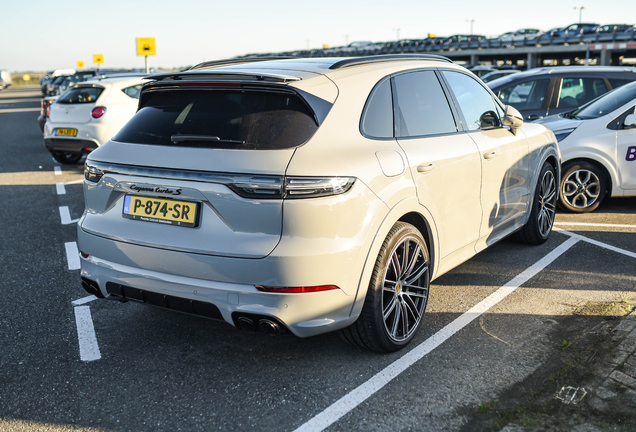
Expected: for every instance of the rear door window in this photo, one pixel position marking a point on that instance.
(220, 118)
(81, 95)
(422, 107)
(578, 91)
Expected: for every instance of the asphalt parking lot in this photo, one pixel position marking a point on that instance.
(69, 362)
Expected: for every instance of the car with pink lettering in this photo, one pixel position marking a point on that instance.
(598, 150)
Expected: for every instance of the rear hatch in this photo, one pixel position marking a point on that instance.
(220, 148)
(75, 106)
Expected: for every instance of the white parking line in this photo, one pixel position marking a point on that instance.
(57, 170)
(597, 243)
(600, 225)
(351, 400)
(60, 187)
(72, 256)
(65, 216)
(89, 350)
(83, 300)
(17, 110)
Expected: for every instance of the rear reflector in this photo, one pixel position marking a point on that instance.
(288, 290)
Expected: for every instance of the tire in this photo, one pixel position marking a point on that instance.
(393, 310)
(66, 158)
(539, 226)
(583, 186)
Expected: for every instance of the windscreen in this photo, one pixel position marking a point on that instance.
(81, 95)
(607, 103)
(221, 118)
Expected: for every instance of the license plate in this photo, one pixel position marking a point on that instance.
(165, 211)
(66, 132)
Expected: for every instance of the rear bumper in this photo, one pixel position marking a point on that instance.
(304, 315)
(70, 145)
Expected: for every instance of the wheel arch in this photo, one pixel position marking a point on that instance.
(410, 211)
(548, 154)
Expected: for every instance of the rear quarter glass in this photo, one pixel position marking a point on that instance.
(262, 120)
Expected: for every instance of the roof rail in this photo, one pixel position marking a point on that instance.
(391, 57)
(218, 63)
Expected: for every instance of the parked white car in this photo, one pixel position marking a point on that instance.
(598, 148)
(311, 195)
(88, 115)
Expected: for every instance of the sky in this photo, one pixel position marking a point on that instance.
(41, 36)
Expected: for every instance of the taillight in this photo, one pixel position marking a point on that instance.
(310, 187)
(293, 290)
(292, 187)
(98, 112)
(48, 110)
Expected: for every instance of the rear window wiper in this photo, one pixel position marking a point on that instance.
(205, 138)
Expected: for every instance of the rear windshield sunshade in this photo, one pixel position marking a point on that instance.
(81, 95)
(240, 119)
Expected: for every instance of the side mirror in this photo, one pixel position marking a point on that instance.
(512, 118)
(630, 122)
(488, 119)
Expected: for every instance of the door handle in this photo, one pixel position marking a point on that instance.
(489, 156)
(424, 169)
(534, 117)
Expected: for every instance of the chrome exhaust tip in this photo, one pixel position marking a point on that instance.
(269, 327)
(245, 323)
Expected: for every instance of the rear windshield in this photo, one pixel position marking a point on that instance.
(215, 118)
(81, 95)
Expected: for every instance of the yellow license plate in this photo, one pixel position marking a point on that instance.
(165, 211)
(66, 132)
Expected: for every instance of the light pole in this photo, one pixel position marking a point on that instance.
(580, 8)
(397, 30)
(346, 39)
(471, 21)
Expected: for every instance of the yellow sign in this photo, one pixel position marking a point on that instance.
(146, 47)
(98, 58)
(432, 35)
(81, 64)
(26, 78)
(325, 46)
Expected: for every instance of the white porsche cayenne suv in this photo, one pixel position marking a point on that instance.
(311, 195)
(598, 148)
(89, 114)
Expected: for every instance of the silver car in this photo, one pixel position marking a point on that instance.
(311, 195)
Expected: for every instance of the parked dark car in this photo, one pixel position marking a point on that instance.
(545, 91)
(578, 28)
(490, 76)
(614, 28)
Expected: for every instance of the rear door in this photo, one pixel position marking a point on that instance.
(444, 161)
